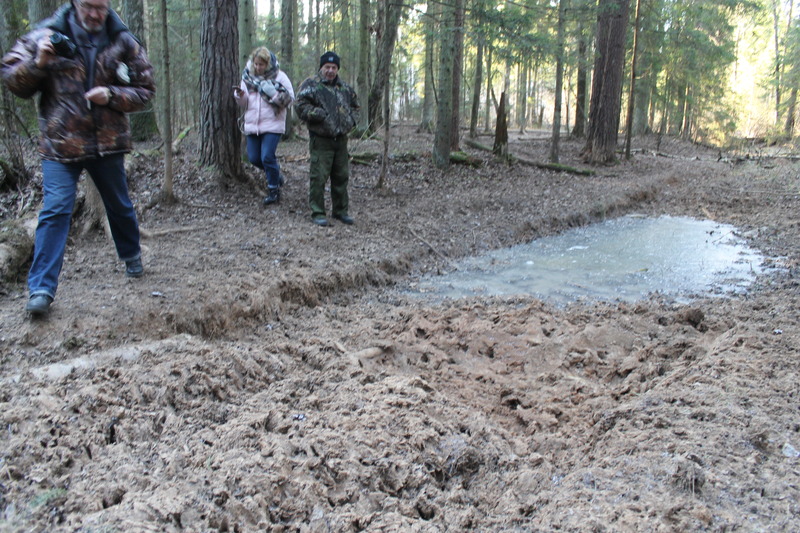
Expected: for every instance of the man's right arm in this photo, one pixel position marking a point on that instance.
(306, 104)
(24, 67)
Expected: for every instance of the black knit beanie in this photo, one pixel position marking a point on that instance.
(329, 57)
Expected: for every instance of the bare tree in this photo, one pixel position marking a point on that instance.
(220, 139)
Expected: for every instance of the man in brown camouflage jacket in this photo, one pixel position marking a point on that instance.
(89, 71)
(330, 108)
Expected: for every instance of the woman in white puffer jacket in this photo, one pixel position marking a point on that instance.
(265, 92)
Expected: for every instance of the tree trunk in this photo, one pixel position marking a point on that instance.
(143, 123)
(632, 87)
(167, 193)
(40, 9)
(386, 42)
(247, 28)
(487, 125)
(604, 111)
(554, 143)
(362, 80)
(288, 28)
(429, 93)
(500, 147)
(14, 172)
(458, 64)
(220, 146)
(476, 90)
(581, 86)
(444, 114)
(522, 93)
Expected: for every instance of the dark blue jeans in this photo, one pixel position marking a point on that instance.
(261, 152)
(60, 181)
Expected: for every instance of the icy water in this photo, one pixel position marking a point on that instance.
(625, 259)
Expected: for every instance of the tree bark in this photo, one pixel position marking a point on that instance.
(167, 192)
(556, 138)
(143, 123)
(362, 79)
(579, 130)
(40, 9)
(14, 173)
(386, 43)
(429, 93)
(444, 115)
(458, 64)
(247, 28)
(476, 90)
(604, 111)
(220, 145)
(288, 29)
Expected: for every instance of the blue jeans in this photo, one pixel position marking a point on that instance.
(261, 152)
(60, 181)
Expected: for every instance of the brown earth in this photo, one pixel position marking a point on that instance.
(270, 375)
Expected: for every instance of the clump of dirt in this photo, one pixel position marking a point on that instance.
(268, 374)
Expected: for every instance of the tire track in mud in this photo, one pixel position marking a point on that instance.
(244, 304)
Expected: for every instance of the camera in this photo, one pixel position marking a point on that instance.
(63, 45)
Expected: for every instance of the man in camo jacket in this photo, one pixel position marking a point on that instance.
(330, 108)
(89, 71)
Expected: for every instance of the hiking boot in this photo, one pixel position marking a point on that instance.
(273, 197)
(39, 305)
(134, 268)
(320, 221)
(345, 219)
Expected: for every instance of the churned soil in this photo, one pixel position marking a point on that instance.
(267, 374)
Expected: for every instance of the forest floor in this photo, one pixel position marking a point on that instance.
(267, 374)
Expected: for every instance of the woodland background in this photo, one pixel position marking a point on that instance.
(711, 72)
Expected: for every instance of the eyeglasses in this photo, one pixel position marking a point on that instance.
(92, 7)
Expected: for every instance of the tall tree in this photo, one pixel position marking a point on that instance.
(476, 90)
(556, 138)
(220, 140)
(604, 109)
(383, 62)
(362, 78)
(429, 93)
(288, 31)
(143, 123)
(632, 84)
(581, 86)
(167, 193)
(458, 71)
(444, 114)
(12, 172)
(247, 30)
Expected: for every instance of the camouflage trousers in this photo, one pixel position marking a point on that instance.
(329, 158)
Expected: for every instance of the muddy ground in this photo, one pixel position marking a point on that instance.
(270, 375)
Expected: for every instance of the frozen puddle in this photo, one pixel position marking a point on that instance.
(626, 258)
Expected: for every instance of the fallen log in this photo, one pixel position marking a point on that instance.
(549, 166)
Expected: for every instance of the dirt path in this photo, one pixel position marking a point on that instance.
(270, 375)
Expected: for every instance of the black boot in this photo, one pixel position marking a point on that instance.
(273, 197)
